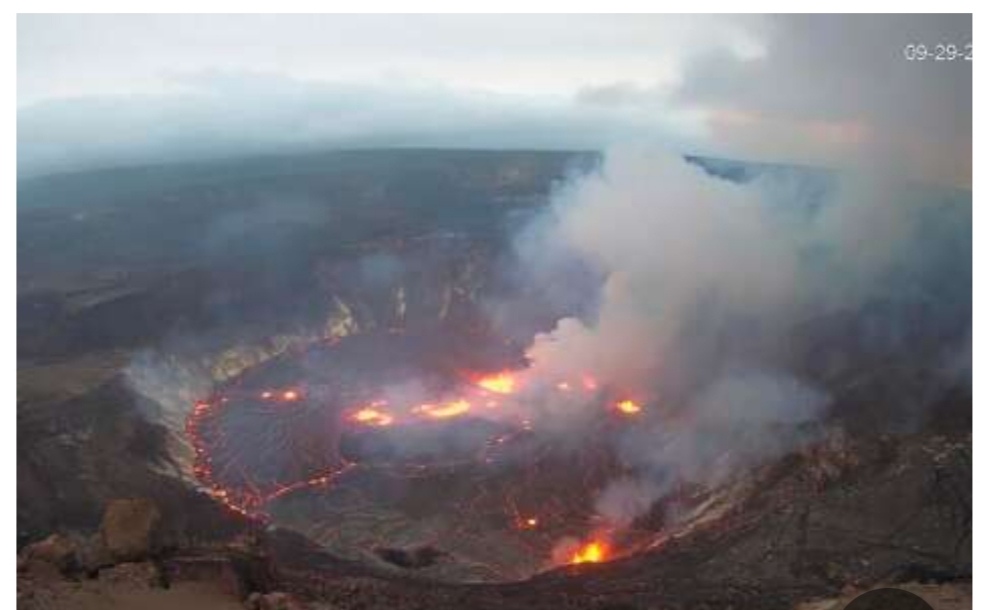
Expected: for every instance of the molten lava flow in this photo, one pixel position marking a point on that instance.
(591, 552)
(499, 383)
(373, 416)
(450, 409)
(628, 407)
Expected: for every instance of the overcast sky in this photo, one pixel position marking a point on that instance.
(98, 90)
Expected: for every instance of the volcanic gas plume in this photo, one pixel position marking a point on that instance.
(706, 281)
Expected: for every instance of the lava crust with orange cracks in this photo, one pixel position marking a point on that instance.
(379, 413)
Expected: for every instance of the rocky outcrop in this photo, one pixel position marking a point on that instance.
(276, 600)
(57, 551)
(141, 575)
(130, 529)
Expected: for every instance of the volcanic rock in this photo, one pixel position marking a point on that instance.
(420, 557)
(91, 553)
(237, 573)
(276, 600)
(130, 528)
(56, 550)
(139, 575)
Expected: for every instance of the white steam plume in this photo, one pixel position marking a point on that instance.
(706, 279)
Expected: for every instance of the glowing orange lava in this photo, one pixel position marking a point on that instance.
(450, 409)
(628, 407)
(592, 552)
(499, 383)
(483, 393)
(373, 416)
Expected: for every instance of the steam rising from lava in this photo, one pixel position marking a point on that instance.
(705, 280)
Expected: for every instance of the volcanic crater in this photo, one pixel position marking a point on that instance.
(395, 436)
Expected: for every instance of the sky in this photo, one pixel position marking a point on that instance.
(104, 90)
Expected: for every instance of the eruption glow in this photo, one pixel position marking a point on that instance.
(591, 552)
(450, 409)
(628, 407)
(373, 416)
(499, 383)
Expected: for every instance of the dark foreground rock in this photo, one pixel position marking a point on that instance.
(57, 551)
(841, 518)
